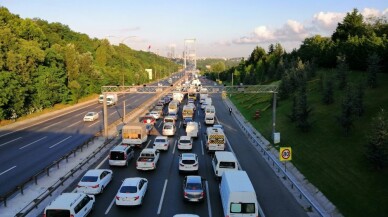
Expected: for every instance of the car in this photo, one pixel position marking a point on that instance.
(219, 126)
(120, 155)
(169, 129)
(161, 143)
(192, 105)
(131, 192)
(94, 181)
(190, 101)
(185, 143)
(91, 116)
(188, 162)
(71, 204)
(185, 215)
(155, 114)
(174, 115)
(148, 120)
(149, 128)
(186, 120)
(193, 188)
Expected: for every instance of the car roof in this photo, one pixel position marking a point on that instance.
(120, 148)
(131, 181)
(185, 137)
(65, 200)
(95, 172)
(161, 137)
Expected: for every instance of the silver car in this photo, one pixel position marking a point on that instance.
(194, 188)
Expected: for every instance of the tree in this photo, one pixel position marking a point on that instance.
(359, 100)
(352, 25)
(328, 92)
(342, 72)
(377, 148)
(346, 117)
(284, 87)
(303, 109)
(372, 70)
(294, 110)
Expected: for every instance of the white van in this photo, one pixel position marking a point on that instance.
(70, 204)
(224, 161)
(238, 197)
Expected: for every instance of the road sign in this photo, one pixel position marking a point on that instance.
(285, 154)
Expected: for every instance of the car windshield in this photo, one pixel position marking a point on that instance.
(167, 127)
(57, 213)
(185, 141)
(89, 114)
(160, 140)
(193, 186)
(89, 179)
(188, 161)
(128, 189)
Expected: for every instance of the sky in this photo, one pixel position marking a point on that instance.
(221, 28)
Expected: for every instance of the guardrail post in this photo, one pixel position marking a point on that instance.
(57, 164)
(21, 189)
(4, 199)
(48, 171)
(74, 152)
(36, 180)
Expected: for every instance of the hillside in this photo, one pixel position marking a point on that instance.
(43, 64)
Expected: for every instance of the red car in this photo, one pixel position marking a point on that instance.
(148, 120)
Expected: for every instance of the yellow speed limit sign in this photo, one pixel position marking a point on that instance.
(285, 154)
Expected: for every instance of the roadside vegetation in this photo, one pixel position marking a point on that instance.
(43, 64)
(331, 109)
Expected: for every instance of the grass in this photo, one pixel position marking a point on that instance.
(329, 159)
(48, 110)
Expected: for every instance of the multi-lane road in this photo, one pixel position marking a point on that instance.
(26, 150)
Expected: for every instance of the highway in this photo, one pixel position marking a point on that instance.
(26, 150)
(165, 195)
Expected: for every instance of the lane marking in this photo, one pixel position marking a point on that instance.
(94, 123)
(110, 205)
(113, 113)
(160, 123)
(173, 151)
(10, 141)
(72, 124)
(162, 198)
(60, 142)
(230, 146)
(102, 162)
(32, 143)
(8, 170)
(209, 208)
(180, 123)
(203, 152)
(149, 141)
(52, 124)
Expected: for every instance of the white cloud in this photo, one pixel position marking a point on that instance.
(370, 12)
(262, 33)
(327, 20)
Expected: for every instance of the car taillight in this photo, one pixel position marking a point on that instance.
(196, 164)
(96, 186)
(71, 215)
(153, 164)
(165, 144)
(44, 215)
(125, 156)
(185, 194)
(202, 193)
(137, 197)
(78, 186)
(117, 198)
(181, 165)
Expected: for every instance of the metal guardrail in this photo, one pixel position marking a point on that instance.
(279, 167)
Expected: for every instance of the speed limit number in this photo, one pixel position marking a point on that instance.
(285, 154)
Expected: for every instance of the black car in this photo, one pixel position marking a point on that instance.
(186, 120)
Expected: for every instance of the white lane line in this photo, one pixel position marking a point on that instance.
(113, 113)
(162, 198)
(102, 162)
(148, 143)
(72, 124)
(230, 146)
(32, 143)
(8, 170)
(209, 208)
(10, 141)
(173, 151)
(60, 142)
(203, 152)
(52, 124)
(180, 123)
(94, 123)
(110, 206)
(160, 123)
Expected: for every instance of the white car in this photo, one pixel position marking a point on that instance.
(192, 105)
(94, 181)
(185, 143)
(131, 192)
(155, 114)
(91, 116)
(169, 129)
(161, 143)
(188, 162)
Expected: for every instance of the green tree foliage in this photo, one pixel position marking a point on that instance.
(346, 117)
(372, 70)
(377, 147)
(352, 25)
(328, 92)
(358, 102)
(294, 111)
(342, 72)
(303, 109)
(42, 64)
(321, 49)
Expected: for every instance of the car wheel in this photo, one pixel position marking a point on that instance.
(141, 202)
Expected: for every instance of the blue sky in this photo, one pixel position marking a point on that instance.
(228, 28)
